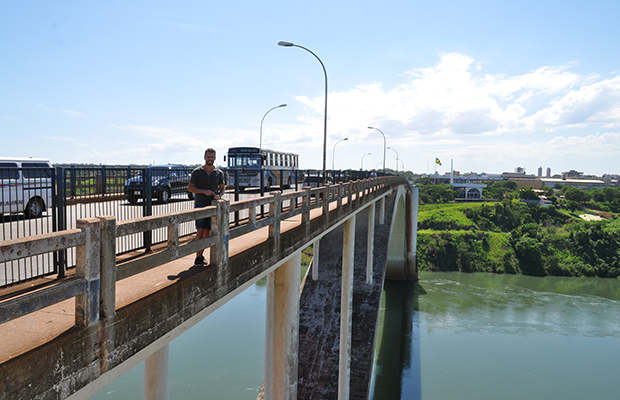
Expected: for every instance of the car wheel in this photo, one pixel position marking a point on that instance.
(34, 209)
(132, 198)
(164, 195)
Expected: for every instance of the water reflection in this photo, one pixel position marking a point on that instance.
(522, 305)
(398, 348)
(486, 336)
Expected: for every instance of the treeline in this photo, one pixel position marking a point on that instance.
(514, 237)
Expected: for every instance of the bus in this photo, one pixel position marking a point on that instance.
(278, 168)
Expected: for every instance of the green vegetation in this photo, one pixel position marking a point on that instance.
(513, 237)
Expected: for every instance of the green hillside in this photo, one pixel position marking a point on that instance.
(513, 237)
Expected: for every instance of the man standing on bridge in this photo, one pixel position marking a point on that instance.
(207, 183)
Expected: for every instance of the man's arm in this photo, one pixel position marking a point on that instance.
(194, 189)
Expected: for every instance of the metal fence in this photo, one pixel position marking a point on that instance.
(122, 191)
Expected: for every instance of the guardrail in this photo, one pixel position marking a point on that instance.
(87, 191)
(97, 270)
(84, 286)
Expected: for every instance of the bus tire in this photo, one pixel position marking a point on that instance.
(289, 183)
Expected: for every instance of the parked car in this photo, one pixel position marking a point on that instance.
(166, 180)
(315, 179)
(26, 186)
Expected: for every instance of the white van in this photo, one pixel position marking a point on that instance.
(26, 186)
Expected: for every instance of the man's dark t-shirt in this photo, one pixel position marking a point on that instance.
(203, 180)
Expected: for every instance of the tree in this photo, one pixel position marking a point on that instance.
(527, 250)
(527, 194)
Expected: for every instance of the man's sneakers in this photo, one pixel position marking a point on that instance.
(200, 261)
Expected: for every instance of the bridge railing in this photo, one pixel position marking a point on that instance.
(95, 240)
(84, 286)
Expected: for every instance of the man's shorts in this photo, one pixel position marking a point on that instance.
(203, 223)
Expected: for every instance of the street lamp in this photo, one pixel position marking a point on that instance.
(362, 167)
(260, 145)
(334, 152)
(289, 44)
(396, 158)
(384, 146)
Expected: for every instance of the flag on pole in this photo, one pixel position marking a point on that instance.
(437, 161)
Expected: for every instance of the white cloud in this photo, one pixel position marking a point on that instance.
(66, 112)
(454, 98)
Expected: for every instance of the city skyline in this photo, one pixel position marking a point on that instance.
(491, 86)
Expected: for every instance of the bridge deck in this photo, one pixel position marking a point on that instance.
(24, 334)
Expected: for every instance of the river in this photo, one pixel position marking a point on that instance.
(450, 336)
(487, 336)
(222, 357)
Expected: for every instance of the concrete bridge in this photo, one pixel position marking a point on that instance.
(73, 336)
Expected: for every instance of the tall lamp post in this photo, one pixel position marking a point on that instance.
(260, 145)
(362, 166)
(334, 152)
(289, 44)
(384, 146)
(391, 148)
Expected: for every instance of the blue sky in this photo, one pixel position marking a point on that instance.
(491, 85)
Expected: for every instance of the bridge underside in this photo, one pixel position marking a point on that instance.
(320, 313)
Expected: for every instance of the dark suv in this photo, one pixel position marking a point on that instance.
(166, 180)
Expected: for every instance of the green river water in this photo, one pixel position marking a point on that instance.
(450, 336)
(487, 336)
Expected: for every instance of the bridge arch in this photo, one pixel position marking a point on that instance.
(403, 233)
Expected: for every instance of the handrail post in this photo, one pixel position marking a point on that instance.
(219, 253)
(325, 206)
(350, 195)
(173, 239)
(108, 266)
(275, 210)
(307, 204)
(87, 267)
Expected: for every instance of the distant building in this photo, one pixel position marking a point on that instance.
(572, 174)
(540, 172)
(548, 172)
(520, 170)
(585, 184)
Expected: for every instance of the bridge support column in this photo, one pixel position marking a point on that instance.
(382, 211)
(412, 232)
(370, 244)
(156, 375)
(282, 336)
(346, 307)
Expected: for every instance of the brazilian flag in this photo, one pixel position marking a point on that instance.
(437, 161)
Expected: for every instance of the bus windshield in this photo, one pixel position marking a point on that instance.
(240, 161)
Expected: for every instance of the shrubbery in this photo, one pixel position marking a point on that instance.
(513, 237)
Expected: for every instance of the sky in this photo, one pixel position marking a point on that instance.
(487, 86)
